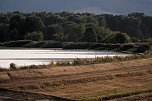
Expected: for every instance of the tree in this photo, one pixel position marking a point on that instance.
(16, 24)
(102, 21)
(51, 30)
(90, 35)
(14, 34)
(102, 33)
(59, 37)
(53, 19)
(74, 31)
(4, 18)
(118, 37)
(35, 36)
(33, 23)
(4, 35)
(76, 19)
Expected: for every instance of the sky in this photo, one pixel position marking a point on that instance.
(94, 6)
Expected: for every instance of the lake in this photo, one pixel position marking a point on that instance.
(22, 57)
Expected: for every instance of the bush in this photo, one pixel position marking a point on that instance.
(19, 43)
(84, 45)
(127, 47)
(35, 44)
(53, 45)
(113, 46)
(13, 66)
(96, 46)
(117, 37)
(35, 36)
(141, 48)
(100, 46)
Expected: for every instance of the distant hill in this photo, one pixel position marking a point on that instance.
(93, 6)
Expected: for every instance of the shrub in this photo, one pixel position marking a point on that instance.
(96, 46)
(18, 43)
(141, 48)
(35, 36)
(35, 44)
(13, 66)
(53, 45)
(127, 47)
(83, 45)
(113, 46)
(118, 37)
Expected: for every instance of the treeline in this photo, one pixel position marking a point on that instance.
(70, 27)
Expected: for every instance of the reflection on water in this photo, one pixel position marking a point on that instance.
(23, 57)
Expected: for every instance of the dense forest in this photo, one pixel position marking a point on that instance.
(70, 27)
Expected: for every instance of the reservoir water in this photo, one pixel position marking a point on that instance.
(22, 57)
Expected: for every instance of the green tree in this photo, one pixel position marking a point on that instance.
(74, 31)
(90, 35)
(102, 21)
(51, 30)
(35, 36)
(59, 37)
(17, 23)
(33, 23)
(53, 19)
(118, 37)
(4, 35)
(14, 34)
(4, 18)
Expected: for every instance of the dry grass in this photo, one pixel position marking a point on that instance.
(85, 82)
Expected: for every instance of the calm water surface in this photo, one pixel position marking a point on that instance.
(23, 57)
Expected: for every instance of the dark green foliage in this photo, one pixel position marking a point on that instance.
(34, 36)
(19, 43)
(4, 35)
(35, 44)
(13, 66)
(53, 45)
(76, 45)
(118, 37)
(16, 26)
(73, 32)
(141, 48)
(51, 30)
(90, 35)
(70, 27)
(33, 23)
(112, 47)
(14, 34)
(127, 47)
(96, 46)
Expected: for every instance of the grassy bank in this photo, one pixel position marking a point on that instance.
(130, 47)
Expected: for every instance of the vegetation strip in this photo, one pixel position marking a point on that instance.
(110, 97)
(28, 94)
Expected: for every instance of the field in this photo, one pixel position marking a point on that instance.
(129, 80)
